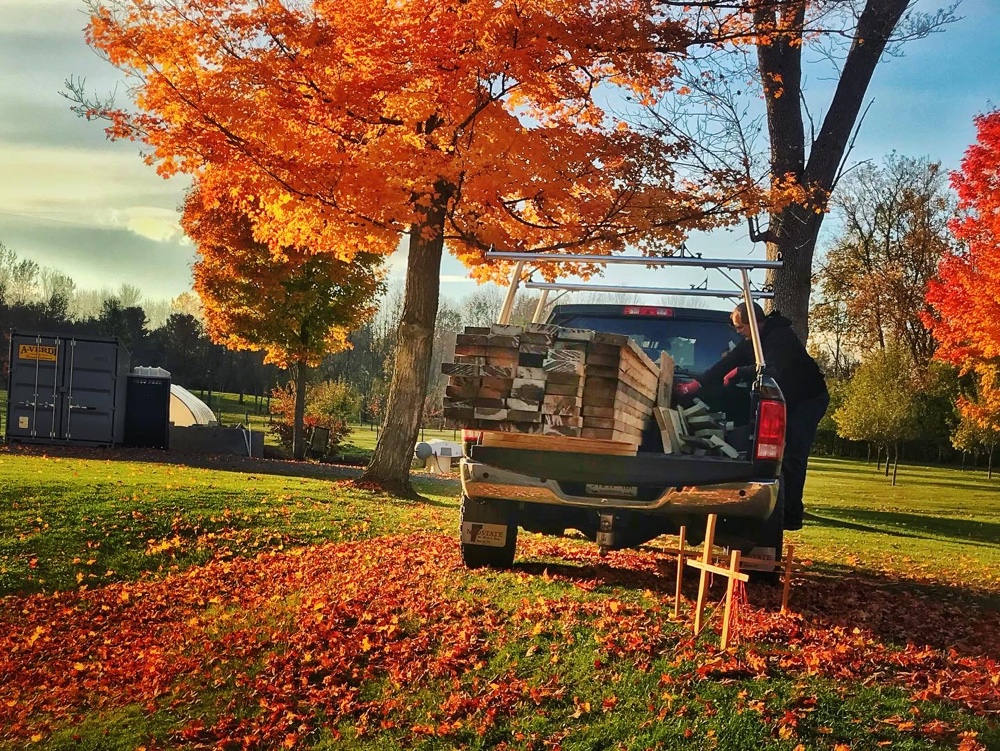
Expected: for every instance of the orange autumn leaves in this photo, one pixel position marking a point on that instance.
(325, 118)
(275, 650)
(297, 303)
(966, 319)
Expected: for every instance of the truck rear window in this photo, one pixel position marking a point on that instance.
(694, 345)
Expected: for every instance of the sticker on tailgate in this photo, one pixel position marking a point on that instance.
(491, 535)
(622, 491)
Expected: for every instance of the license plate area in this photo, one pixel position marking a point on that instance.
(596, 490)
(489, 535)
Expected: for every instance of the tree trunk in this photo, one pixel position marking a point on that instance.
(298, 426)
(989, 466)
(868, 459)
(390, 464)
(895, 463)
(963, 461)
(887, 460)
(878, 458)
(792, 232)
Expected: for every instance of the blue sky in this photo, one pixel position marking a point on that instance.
(72, 200)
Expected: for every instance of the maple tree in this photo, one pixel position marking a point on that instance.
(965, 295)
(294, 303)
(474, 125)
(759, 49)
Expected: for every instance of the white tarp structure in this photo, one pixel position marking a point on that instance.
(187, 409)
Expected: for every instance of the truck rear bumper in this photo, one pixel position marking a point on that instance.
(752, 499)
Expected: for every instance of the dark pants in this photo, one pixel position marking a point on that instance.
(800, 432)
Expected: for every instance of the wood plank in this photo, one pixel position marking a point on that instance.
(665, 384)
(564, 389)
(461, 392)
(498, 372)
(501, 357)
(542, 328)
(459, 369)
(521, 405)
(505, 329)
(472, 340)
(582, 335)
(521, 415)
(503, 383)
(533, 349)
(491, 414)
(558, 443)
(470, 350)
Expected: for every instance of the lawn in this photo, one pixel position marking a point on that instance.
(262, 604)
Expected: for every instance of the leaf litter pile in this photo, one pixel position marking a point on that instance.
(392, 638)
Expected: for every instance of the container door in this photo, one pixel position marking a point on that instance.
(89, 381)
(34, 401)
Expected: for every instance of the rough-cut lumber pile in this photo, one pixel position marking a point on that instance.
(695, 430)
(543, 379)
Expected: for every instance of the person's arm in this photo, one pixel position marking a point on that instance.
(739, 356)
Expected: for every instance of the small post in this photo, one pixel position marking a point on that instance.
(787, 583)
(706, 559)
(680, 571)
(734, 568)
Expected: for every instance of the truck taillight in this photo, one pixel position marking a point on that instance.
(471, 436)
(770, 443)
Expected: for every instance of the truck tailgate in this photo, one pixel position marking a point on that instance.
(662, 470)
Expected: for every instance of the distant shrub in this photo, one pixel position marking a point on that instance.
(330, 404)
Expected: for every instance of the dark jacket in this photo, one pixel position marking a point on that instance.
(797, 374)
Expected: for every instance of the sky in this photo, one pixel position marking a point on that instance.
(72, 200)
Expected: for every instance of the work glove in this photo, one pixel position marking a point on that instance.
(688, 388)
(738, 375)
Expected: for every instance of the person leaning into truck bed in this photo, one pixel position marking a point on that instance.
(800, 380)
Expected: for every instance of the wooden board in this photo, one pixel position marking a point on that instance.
(555, 443)
(665, 385)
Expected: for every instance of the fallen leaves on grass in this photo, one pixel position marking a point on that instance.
(264, 652)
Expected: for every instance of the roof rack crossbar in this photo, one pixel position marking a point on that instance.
(693, 292)
(692, 261)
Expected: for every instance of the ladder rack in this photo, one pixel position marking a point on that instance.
(743, 266)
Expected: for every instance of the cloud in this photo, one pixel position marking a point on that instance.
(456, 279)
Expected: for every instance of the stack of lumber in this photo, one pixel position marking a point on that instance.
(547, 380)
(695, 430)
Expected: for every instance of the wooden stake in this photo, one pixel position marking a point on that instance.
(734, 567)
(680, 571)
(787, 584)
(706, 559)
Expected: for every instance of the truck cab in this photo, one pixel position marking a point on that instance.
(625, 501)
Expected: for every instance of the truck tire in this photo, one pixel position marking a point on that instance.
(488, 512)
(772, 535)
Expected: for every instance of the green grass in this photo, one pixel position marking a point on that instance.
(232, 561)
(940, 525)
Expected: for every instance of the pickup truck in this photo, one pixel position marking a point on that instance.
(625, 501)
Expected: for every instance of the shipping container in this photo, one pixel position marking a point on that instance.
(66, 389)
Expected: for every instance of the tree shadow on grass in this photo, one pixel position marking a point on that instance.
(895, 609)
(900, 524)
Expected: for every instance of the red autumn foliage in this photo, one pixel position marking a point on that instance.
(965, 295)
(300, 634)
